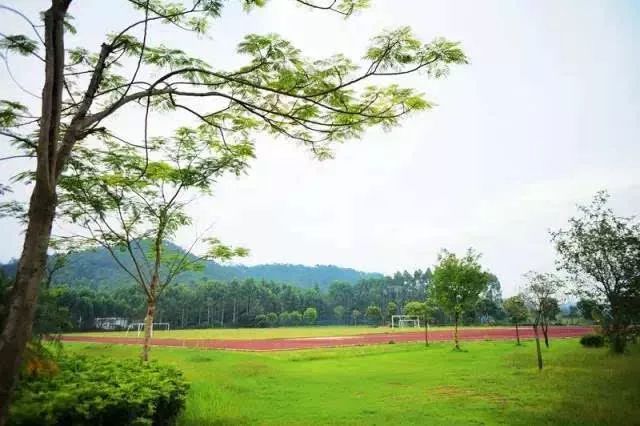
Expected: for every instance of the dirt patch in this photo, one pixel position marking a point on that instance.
(495, 333)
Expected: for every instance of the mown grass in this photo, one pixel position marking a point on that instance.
(261, 333)
(489, 383)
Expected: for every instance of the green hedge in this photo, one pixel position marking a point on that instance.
(95, 391)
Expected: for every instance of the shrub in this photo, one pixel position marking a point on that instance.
(592, 340)
(100, 392)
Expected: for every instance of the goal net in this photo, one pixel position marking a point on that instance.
(139, 327)
(404, 321)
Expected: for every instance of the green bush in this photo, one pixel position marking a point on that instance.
(100, 392)
(592, 340)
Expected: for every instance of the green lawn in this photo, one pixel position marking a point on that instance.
(490, 383)
(261, 333)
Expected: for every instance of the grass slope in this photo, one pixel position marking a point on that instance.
(489, 383)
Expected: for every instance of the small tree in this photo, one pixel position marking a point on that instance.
(295, 318)
(414, 308)
(373, 314)
(272, 319)
(540, 289)
(517, 312)
(339, 312)
(284, 318)
(355, 316)
(457, 284)
(310, 316)
(602, 252)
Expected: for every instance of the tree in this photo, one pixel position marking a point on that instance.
(550, 311)
(587, 307)
(339, 312)
(457, 284)
(414, 308)
(373, 314)
(295, 318)
(355, 316)
(128, 203)
(540, 289)
(602, 252)
(392, 309)
(272, 319)
(310, 316)
(279, 91)
(517, 312)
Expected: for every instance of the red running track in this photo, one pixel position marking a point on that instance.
(495, 333)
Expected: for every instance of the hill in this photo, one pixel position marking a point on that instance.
(97, 269)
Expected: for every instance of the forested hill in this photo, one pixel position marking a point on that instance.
(97, 269)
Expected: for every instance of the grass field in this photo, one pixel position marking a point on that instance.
(489, 383)
(262, 333)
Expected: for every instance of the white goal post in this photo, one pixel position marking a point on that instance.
(399, 321)
(139, 326)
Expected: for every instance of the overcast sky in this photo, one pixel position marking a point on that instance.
(546, 114)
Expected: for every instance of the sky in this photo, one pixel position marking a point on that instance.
(546, 114)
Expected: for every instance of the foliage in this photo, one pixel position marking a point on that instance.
(415, 308)
(355, 316)
(592, 340)
(588, 307)
(458, 282)
(339, 312)
(373, 314)
(310, 315)
(516, 309)
(272, 319)
(295, 318)
(98, 391)
(602, 252)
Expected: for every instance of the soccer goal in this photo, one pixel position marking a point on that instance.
(139, 326)
(402, 321)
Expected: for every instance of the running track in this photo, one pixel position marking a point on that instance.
(495, 333)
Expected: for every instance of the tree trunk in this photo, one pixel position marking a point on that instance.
(517, 334)
(148, 329)
(455, 333)
(235, 309)
(539, 352)
(148, 320)
(17, 327)
(426, 332)
(222, 314)
(545, 332)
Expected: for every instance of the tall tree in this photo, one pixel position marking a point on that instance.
(517, 312)
(540, 289)
(457, 284)
(602, 251)
(279, 91)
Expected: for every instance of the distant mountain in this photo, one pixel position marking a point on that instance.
(97, 269)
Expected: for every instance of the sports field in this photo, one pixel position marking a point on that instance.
(258, 333)
(312, 337)
(494, 382)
